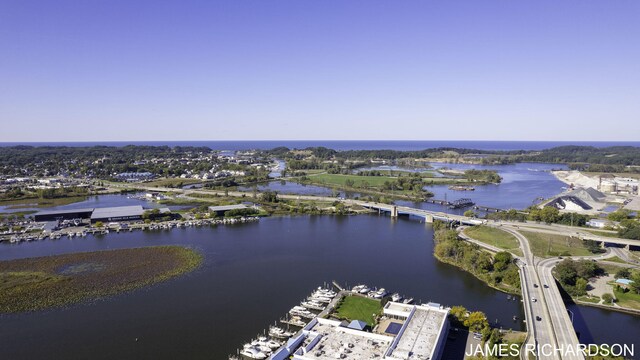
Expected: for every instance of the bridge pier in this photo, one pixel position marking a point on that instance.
(428, 218)
(394, 211)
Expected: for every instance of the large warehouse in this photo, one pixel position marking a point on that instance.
(63, 215)
(119, 213)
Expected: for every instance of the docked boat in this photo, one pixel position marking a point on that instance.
(408, 301)
(295, 321)
(396, 297)
(378, 294)
(280, 333)
(361, 289)
(313, 304)
(461, 188)
(253, 353)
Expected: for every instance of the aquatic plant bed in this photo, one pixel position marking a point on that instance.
(359, 308)
(52, 281)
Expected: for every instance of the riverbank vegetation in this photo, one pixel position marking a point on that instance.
(39, 283)
(477, 322)
(628, 296)
(499, 270)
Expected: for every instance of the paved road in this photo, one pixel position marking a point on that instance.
(541, 296)
(534, 301)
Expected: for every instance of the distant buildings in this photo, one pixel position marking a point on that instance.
(579, 200)
(135, 176)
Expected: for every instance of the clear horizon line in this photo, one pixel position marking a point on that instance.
(311, 140)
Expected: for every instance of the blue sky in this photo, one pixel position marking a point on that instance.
(324, 69)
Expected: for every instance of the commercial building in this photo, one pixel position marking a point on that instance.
(220, 210)
(119, 213)
(419, 332)
(63, 214)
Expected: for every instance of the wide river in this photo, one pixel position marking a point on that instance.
(252, 274)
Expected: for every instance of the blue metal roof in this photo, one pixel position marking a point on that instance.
(357, 324)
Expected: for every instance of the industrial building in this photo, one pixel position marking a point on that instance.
(59, 215)
(107, 214)
(220, 210)
(119, 213)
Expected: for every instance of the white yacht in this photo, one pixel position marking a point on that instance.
(361, 289)
(253, 353)
(278, 332)
(396, 297)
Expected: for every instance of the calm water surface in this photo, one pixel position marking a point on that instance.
(252, 275)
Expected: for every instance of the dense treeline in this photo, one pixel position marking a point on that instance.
(606, 159)
(615, 155)
(497, 270)
(574, 275)
(482, 175)
(326, 154)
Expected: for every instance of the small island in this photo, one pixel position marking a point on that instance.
(53, 281)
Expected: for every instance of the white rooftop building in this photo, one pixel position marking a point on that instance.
(421, 336)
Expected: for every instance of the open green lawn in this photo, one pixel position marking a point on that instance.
(41, 203)
(616, 259)
(359, 308)
(374, 181)
(494, 237)
(340, 180)
(628, 299)
(170, 182)
(548, 245)
(603, 233)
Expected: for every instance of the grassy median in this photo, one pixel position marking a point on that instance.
(494, 237)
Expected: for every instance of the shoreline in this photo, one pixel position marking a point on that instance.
(503, 290)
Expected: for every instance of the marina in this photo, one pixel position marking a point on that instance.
(400, 327)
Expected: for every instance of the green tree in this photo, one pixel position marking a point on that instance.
(459, 313)
(549, 214)
(623, 273)
(476, 321)
(269, 196)
(619, 215)
(581, 286)
(98, 224)
(470, 213)
(608, 298)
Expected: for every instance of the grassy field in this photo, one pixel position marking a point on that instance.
(359, 308)
(548, 245)
(603, 233)
(340, 180)
(494, 237)
(170, 182)
(53, 281)
(628, 299)
(373, 181)
(41, 203)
